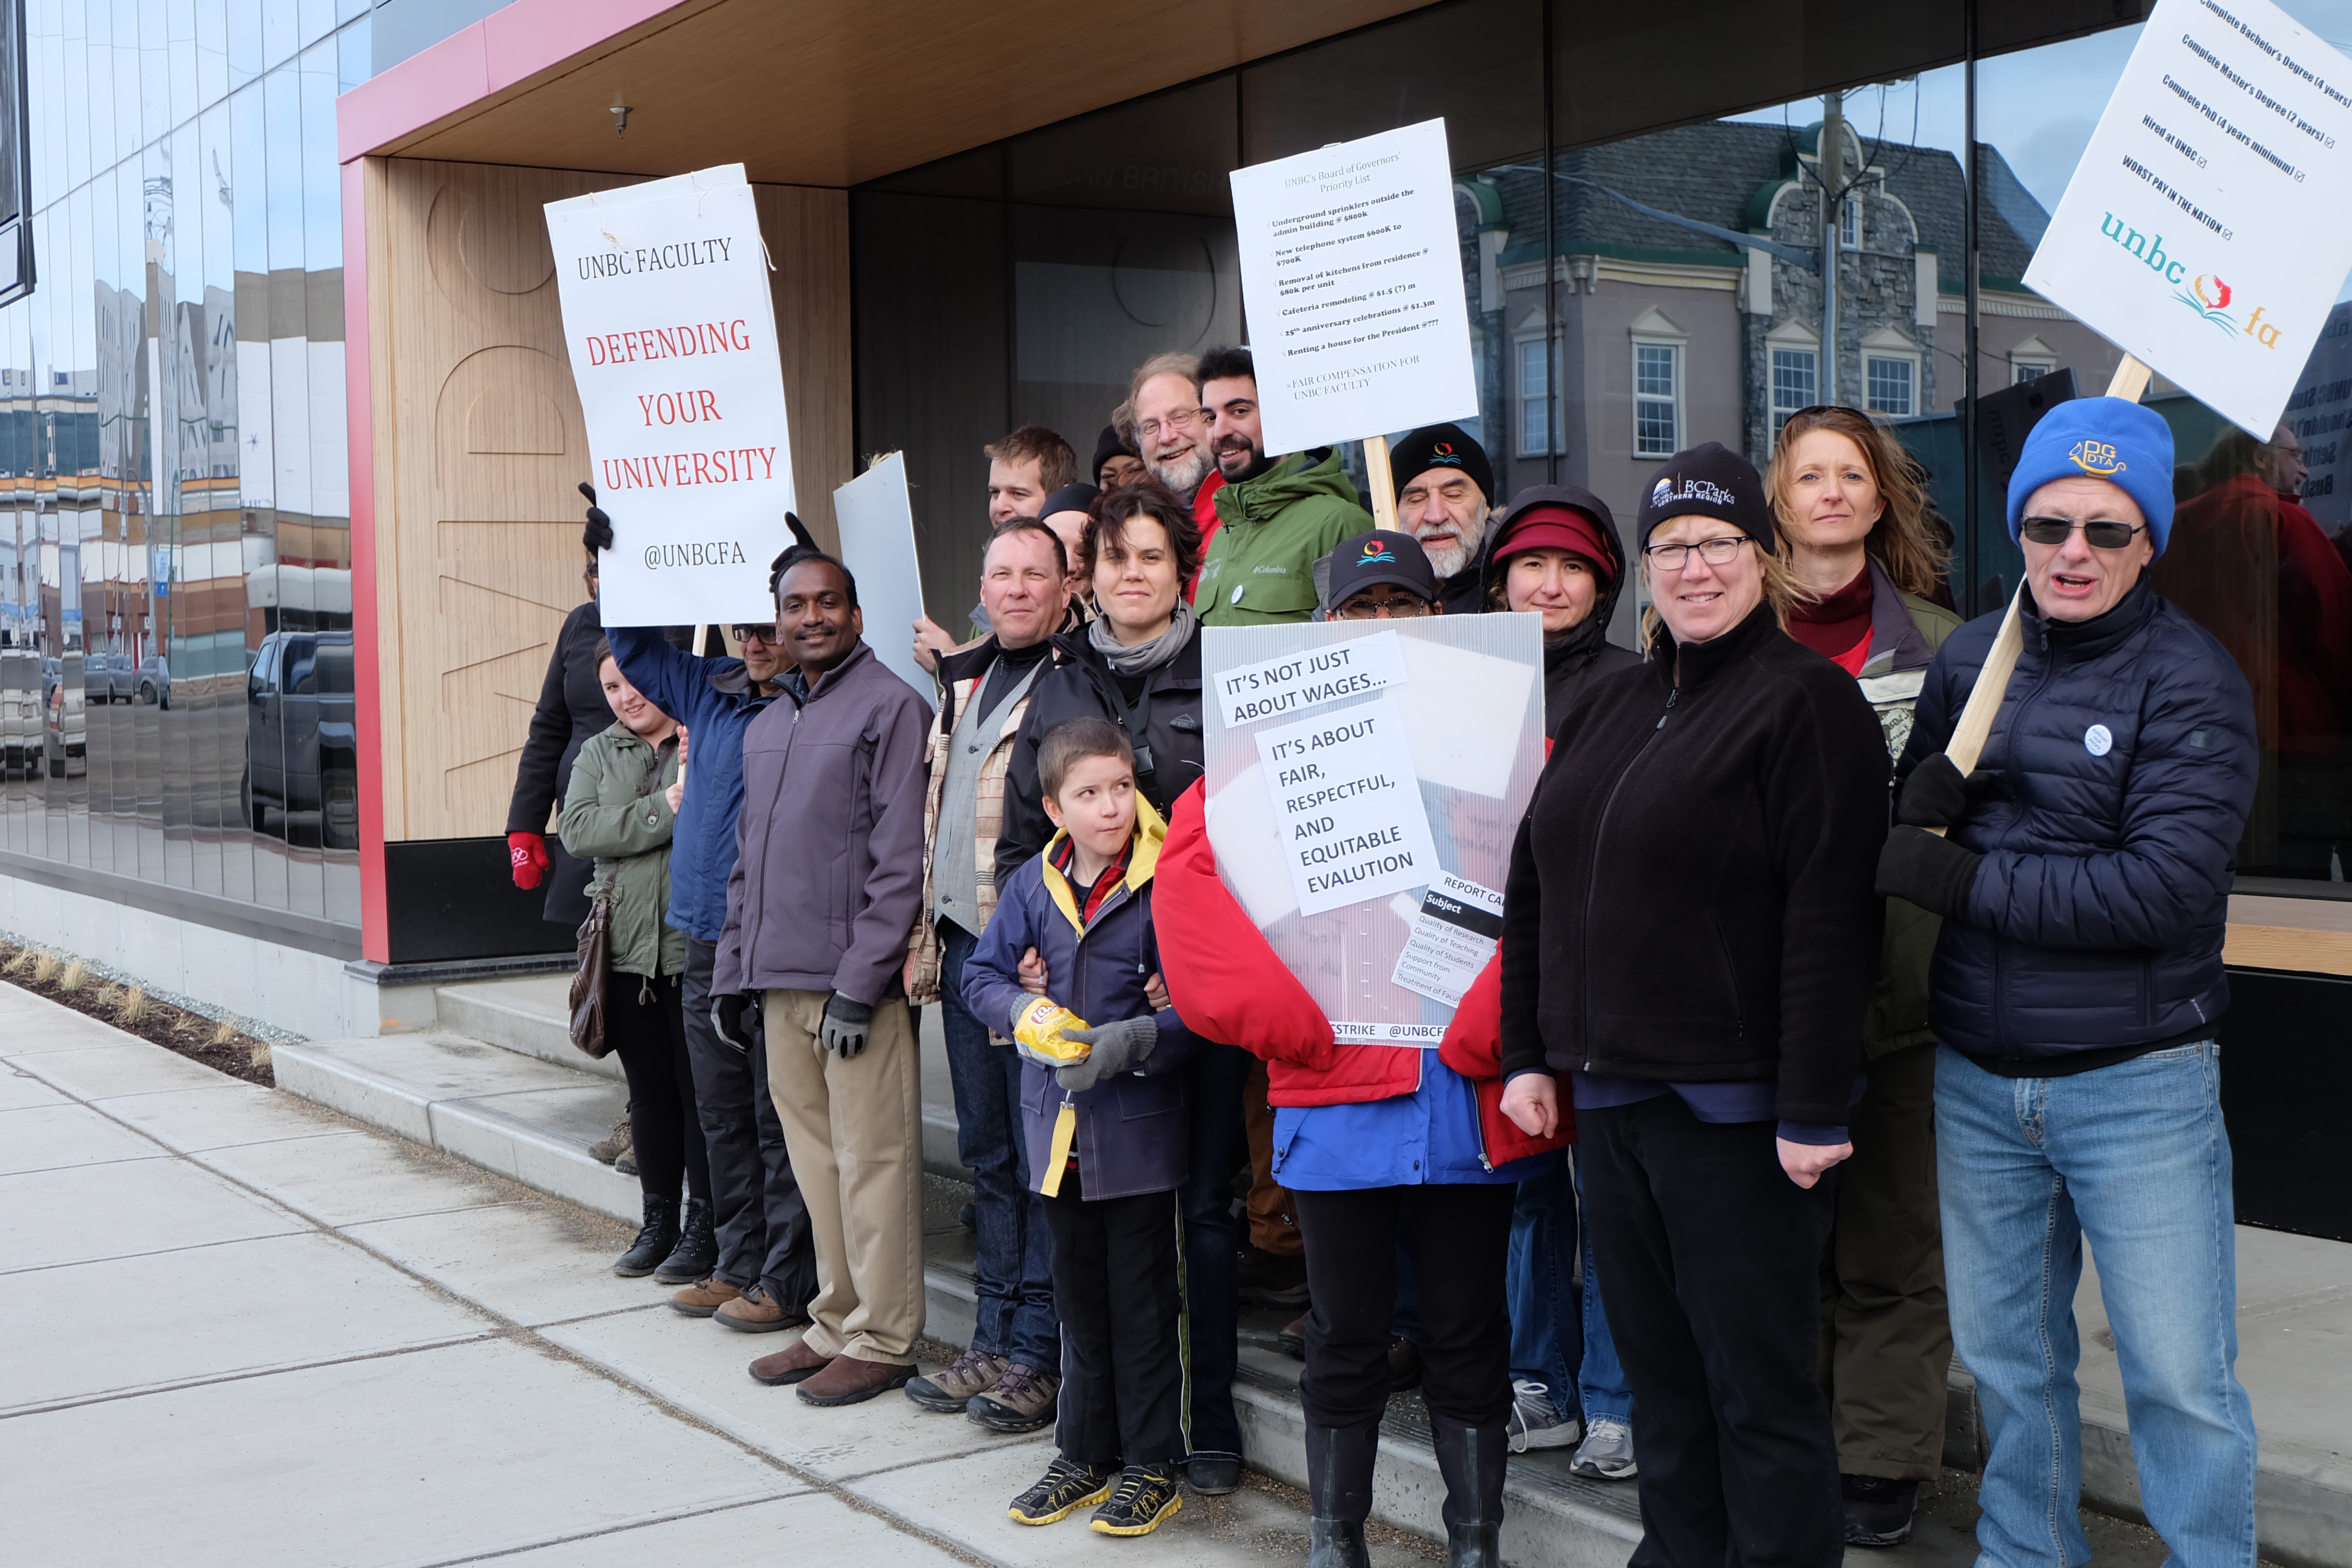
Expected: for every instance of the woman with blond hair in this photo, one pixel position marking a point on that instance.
(1689, 937)
(1849, 501)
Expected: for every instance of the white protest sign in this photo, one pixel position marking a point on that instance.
(1455, 933)
(673, 341)
(1347, 806)
(2209, 221)
(1296, 682)
(2319, 411)
(1351, 277)
(877, 544)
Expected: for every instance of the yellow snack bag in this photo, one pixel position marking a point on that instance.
(1038, 1031)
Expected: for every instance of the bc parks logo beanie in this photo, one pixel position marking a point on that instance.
(1708, 480)
(2126, 444)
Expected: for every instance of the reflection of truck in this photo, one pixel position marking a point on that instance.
(302, 748)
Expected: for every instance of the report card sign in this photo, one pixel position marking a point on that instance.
(2210, 222)
(672, 334)
(1352, 275)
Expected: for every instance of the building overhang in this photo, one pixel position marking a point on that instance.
(800, 93)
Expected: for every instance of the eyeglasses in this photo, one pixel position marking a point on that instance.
(1183, 420)
(765, 632)
(2101, 535)
(1404, 607)
(1714, 552)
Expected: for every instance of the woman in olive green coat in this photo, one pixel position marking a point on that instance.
(621, 809)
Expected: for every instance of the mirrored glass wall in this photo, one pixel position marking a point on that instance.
(176, 689)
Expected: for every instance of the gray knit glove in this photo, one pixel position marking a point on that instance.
(1117, 1047)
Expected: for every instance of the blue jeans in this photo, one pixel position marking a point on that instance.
(1600, 1379)
(2133, 1157)
(1016, 1266)
(1540, 1279)
(1213, 1087)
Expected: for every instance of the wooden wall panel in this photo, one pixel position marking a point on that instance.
(479, 443)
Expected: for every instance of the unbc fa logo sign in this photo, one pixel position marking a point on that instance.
(2207, 293)
(2097, 458)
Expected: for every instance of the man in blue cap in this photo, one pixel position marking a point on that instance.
(2077, 983)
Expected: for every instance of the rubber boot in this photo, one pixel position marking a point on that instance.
(1339, 1483)
(1471, 1459)
(697, 1252)
(654, 1242)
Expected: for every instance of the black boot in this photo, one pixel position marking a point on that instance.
(654, 1242)
(697, 1252)
(1470, 1459)
(1340, 1481)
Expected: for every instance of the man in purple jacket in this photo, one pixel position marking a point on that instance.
(828, 879)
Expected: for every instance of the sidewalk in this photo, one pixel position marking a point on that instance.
(243, 1330)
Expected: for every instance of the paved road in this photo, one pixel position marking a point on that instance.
(243, 1330)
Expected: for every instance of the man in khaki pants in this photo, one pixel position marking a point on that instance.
(826, 889)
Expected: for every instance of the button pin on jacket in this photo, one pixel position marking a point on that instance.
(1237, 593)
(2097, 741)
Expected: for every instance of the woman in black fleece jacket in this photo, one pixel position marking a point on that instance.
(1690, 933)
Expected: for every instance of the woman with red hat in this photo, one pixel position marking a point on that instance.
(1556, 553)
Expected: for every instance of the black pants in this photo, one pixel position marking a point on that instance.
(764, 1223)
(1709, 1263)
(1214, 1085)
(646, 1026)
(1458, 1237)
(1122, 1398)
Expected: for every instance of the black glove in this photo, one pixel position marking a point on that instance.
(1117, 1047)
(843, 1029)
(598, 534)
(1934, 873)
(735, 1017)
(1936, 795)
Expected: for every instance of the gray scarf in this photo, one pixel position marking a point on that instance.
(1140, 658)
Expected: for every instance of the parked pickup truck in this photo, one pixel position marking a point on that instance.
(302, 748)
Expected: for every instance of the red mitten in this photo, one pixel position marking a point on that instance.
(527, 853)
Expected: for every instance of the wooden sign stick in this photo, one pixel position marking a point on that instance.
(1975, 727)
(1378, 474)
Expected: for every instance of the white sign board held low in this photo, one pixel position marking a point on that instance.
(2210, 222)
(672, 334)
(1352, 276)
(877, 521)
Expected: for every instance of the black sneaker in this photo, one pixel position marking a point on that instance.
(1066, 1489)
(1269, 1279)
(1877, 1510)
(1146, 1495)
(1214, 1474)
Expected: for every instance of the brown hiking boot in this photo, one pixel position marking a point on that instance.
(754, 1311)
(606, 1150)
(1022, 1401)
(794, 1364)
(847, 1380)
(949, 1390)
(704, 1297)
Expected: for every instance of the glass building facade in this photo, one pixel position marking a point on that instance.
(175, 594)
(1616, 191)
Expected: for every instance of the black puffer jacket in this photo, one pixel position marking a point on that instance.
(2125, 764)
(1079, 684)
(1690, 897)
(572, 709)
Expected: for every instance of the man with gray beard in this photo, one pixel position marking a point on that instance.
(1445, 491)
(1172, 433)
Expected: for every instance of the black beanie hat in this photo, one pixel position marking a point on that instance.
(1708, 480)
(1109, 446)
(1076, 497)
(1440, 446)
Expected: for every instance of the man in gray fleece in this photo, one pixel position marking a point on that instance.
(826, 885)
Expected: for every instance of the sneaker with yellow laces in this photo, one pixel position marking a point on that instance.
(1065, 1488)
(1145, 1495)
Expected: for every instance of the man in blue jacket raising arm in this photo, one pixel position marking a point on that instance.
(2076, 986)
(767, 1265)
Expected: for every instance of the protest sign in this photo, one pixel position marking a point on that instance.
(2318, 412)
(1352, 276)
(2210, 222)
(1364, 782)
(672, 334)
(877, 544)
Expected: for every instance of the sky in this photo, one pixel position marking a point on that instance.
(2038, 106)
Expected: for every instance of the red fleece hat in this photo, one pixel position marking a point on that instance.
(1549, 525)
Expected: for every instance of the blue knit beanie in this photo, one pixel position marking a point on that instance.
(2126, 444)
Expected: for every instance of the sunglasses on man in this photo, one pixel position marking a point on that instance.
(2101, 535)
(763, 632)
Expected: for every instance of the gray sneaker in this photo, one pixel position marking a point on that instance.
(1607, 1452)
(1535, 1422)
(953, 1386)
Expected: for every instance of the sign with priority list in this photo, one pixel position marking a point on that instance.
(1352, 276)
(2209, 224)
(672, 334)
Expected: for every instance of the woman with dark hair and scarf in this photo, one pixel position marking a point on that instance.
(1556, 554)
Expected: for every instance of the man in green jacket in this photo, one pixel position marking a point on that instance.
(1277, 516)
